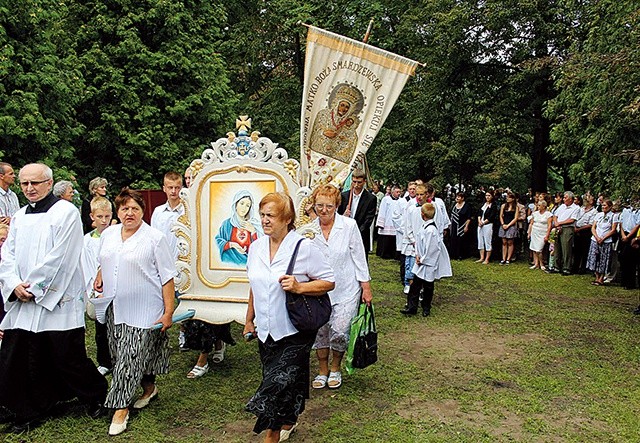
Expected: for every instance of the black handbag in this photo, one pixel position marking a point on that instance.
(365, 349)
(307, 313)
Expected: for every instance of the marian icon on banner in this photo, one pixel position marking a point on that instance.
(334, 137)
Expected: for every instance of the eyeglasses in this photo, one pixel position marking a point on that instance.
(33, 183)
(323, 207)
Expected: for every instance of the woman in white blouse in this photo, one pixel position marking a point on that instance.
(604, 226)
(137, 271)
(539, 231)
(341, 244)
(284, 351)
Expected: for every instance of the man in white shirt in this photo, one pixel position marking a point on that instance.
(165, 215)
(43, 358)
(564, 220)
(9, 203)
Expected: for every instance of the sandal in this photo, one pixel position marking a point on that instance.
(218, 355)
(319, 382)
(198, 371)
(286, 433)
(335, 380)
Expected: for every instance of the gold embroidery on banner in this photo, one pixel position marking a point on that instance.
(365, 53)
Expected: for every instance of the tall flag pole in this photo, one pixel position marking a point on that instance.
(349, 89)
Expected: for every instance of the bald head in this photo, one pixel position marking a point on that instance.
(36, 180)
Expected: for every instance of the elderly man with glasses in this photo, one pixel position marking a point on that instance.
(43, 358)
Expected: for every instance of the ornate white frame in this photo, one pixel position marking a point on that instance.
(220, 295)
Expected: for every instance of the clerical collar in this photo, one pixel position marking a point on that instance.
(42, 205)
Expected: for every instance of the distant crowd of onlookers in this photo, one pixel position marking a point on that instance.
(555, 232)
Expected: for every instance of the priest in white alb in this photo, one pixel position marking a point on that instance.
(43, 358)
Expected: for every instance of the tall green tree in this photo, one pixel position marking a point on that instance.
(596, 113)
(157, 90)
(40, 83)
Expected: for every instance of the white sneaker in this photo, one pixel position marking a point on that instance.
(103, 371)
(406, 289)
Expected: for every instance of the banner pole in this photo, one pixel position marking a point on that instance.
(368, 33)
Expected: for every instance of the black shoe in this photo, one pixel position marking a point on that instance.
(407, 311)
(637, 311)
(426, 313)
(565, 273)
(95, 410)
(25, 426)
(551, 271)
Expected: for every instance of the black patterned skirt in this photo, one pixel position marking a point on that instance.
(280, 399)
(135, 352)
(202, 336)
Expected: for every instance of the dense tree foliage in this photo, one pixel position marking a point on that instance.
(519, 93)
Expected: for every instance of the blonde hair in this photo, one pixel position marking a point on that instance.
(100, 203)
(4, 227)
(429, 210)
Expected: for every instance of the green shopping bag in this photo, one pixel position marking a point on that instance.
(363, 340)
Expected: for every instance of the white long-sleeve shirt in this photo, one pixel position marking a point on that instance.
(384, 222)
(345, 253)
(269, 299)
(133, 273)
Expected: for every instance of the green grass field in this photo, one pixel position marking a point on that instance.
(508, 355)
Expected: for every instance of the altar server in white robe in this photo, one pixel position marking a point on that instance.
(432, 263)
(43, 358)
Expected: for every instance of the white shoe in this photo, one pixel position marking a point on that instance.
(103, 371)
(218, 355)
(118, 428)
(144, 402)
(406, 289)
(286, 433)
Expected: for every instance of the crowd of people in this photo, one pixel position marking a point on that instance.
(61, 261)
(556, 233)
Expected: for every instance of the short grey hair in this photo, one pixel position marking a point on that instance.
(569, 194)
(61, 187)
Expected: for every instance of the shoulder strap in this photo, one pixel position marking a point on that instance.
(292, 262)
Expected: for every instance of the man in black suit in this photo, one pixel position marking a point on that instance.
(359, 204)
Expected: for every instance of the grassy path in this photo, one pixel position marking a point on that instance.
(509, 354)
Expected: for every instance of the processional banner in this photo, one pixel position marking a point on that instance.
(349, 90)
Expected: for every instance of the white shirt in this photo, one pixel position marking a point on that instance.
(355, 199)
(629, 219)
(44, 250)
(565, 212)
(9, 203)
(434, 258)
(441, 217)
(411, 224)
(604, 223)
(163, 219)
(385, 216)
(398, 214)
(344, 252)
(586, 217)
(133, 273)
(269, 299)
(89, 259)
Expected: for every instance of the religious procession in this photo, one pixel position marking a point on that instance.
(404, 276)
